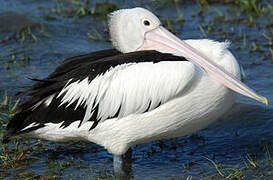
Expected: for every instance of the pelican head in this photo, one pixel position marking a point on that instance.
(129, 26)
(138, 29)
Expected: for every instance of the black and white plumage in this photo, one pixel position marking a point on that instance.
(62, 96)
(155, 87)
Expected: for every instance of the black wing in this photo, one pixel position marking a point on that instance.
(73, 69)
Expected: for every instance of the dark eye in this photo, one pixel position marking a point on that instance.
(146, 23)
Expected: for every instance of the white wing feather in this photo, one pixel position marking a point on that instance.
(131, 88)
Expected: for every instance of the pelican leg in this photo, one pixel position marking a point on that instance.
(123, 165)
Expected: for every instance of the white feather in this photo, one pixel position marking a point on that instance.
(46, 101)
(49, 99)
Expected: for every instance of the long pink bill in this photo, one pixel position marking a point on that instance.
(161, 39)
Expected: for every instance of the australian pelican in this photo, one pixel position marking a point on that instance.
(151, 86)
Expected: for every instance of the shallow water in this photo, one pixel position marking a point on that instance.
(244, 130)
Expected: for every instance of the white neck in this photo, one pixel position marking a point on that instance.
(218, 52)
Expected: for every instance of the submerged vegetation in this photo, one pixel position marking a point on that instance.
(34, 41)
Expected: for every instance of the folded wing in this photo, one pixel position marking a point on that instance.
(100, 86)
